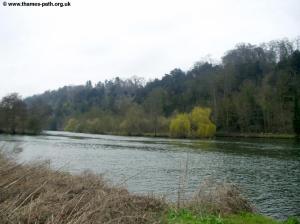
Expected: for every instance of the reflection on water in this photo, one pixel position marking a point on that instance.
(267, 170)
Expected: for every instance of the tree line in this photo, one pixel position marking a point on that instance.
(16, 117)
(254, 89)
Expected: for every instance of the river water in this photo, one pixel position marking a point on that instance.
(268, 171)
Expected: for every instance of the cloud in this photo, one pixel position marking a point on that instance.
(45, 48)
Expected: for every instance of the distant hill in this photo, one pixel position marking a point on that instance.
(254, 89)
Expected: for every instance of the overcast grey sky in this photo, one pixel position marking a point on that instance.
(47, 48)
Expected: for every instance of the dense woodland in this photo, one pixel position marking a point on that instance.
(254, 89)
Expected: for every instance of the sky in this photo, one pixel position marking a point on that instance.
(44, 48)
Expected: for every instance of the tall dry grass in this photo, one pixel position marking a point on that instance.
(36, 194)
(219, 199)
(212, 197)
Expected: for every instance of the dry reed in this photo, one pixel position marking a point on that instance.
(36, 194)
(219, 199)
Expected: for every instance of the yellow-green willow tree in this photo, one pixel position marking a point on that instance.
(195, 124)
(201, 124)
(180, 126)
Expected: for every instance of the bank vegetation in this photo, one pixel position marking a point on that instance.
(35, 194)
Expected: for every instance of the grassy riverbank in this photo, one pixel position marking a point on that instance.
(35, 194)
(187, 217)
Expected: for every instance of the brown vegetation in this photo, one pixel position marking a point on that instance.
(219, 199)
(35, 194)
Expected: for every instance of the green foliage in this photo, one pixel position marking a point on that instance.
(195, 124)
(296, 121)
(201, 124)
(13, 114)
(249, 218)
(134, 120)
(187, 217)
(18, 118)
(292, 220)
(34, 125)
(180, 126)
(153, 105)
(163, 124)
(295, 65)
(255, 89)
(72, 125)
(96, 121)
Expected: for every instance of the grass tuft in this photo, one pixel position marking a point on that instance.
(219, 199)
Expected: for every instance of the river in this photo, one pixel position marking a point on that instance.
(267, 170)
